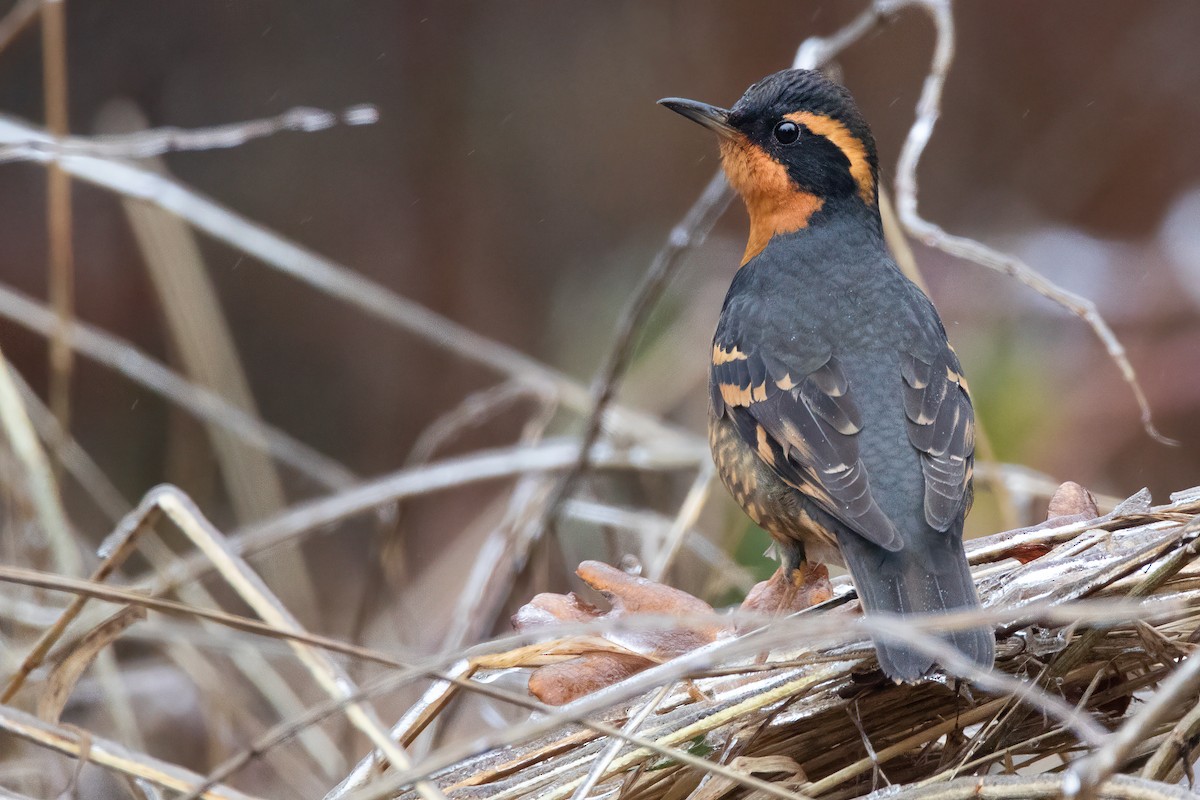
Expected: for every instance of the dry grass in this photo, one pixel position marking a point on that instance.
(822, 712)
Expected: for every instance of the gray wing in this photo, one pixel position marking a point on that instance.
(796, 410)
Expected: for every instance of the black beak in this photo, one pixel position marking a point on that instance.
(711, 117)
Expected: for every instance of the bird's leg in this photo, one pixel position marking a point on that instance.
(808, 579)
(810, 584)
(795, 586)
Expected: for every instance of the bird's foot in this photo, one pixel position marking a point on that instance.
(784, 593)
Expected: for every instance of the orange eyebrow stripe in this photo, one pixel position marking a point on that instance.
(850, 145)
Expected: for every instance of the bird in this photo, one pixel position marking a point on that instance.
(839, 417)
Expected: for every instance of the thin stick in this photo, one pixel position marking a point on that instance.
(657, 527)
(127, 533)
(505, 552)
(689, 511)
(440, 475)
(405, 731)
(1174, 748)
(113, 594)
(614, 747)
(1187, 550)
(905, 745)
(690, 232)
(157, 142)
(1029, 787)
(58, 212)
(72, 742)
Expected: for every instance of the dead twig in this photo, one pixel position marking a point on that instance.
(108, 754)
(160, 141)
(610, 751)
(1175, 748)
(928, 111)
(690, 232)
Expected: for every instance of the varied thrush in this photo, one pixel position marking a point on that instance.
(839, 416)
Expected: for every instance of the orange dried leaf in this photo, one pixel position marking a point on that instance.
(561, 683)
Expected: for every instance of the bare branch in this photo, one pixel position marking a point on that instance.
(690, 232)
(326, 672)
(169, 139)
(928, 111)
(610, 751)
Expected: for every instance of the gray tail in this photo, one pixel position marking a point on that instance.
(923, 578)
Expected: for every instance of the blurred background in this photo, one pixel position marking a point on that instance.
(519, 181)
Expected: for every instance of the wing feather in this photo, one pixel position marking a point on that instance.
(941, 424)
(807, 414)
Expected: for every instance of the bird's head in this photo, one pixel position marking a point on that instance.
(794, 143)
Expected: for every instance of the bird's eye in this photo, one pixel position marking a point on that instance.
(786, 132)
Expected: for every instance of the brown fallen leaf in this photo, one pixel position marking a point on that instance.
(553, 609)
(1070, 503)
(630, 595)
(784, 594)
(626, 652)
(1026, 553)
(1071, 499)
(618, 653)
(557, 684)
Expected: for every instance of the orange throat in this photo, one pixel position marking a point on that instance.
(776, 206)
